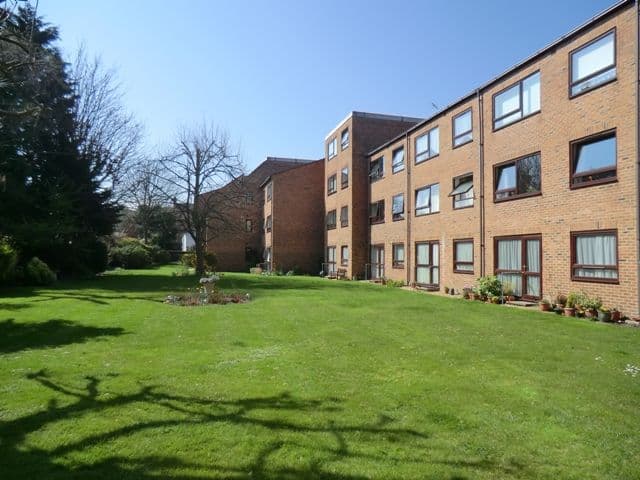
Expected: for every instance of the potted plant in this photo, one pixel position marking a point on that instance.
(615, 315)
(591, 306)
(452, 291)
(545, 305)
(604, 314)
(561, 300)
(446, 290)
(570, 304)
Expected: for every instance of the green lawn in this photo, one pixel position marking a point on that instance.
(311, 379)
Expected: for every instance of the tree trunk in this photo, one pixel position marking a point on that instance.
(199, 247)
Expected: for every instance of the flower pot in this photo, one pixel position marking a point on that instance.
(570, 312)
(591, 313)
(604, 316)
(511, 298)
(544, 306)
(615, 316)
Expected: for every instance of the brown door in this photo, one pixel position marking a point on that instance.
(518, 264)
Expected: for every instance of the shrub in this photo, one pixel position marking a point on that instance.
(210, 261)
(130, 256)
(159, 255)
(188, 259)
(36, 272)
(8, 259)
(489, 286)
(394, 283)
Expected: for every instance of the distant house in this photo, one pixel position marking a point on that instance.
(187, 243)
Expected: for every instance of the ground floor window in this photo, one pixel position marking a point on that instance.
(594, 256)
(398, 255)
(463, 256)
(518, 264)
(377, 262)
(331, 260)
(344, 255)
(428, 264)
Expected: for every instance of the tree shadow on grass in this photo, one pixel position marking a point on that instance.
(315, 441)
(15, 337)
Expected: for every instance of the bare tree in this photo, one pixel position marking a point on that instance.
(203, 179)
(108, 137)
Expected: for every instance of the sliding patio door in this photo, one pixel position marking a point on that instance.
(519, 264)
(377, 262)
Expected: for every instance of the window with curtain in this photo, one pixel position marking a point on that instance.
(268, 223)
(398, 255)
(428, 200)
(428, 145)
(595, 256)
(397, 206)
(509, 264)
(517, 102)
(462, 191)
(332, 185)
(376, 212)
(344, 177)
(518, 178)
(462, 128)
(594, 64)
(331, 220)
(344, 216)
(331, 259)
(376, 169)
(344, 255)
(397, 162)
(332, 148)
(344, 139)
(428, 264)
(593, 160)
(463, 256)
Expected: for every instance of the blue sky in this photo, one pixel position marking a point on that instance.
(279, 75)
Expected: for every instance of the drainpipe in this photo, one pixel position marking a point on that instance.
(481, 154)
(637, 82)
(407, 248)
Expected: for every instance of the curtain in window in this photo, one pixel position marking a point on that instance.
(531, 94)
(422, 254)
(434, 141)
(397, 206)
(508, 101)
(596, 250)
(510, 258)
(422, 143)
(533, 265)
(436, 262)
(422, 198)
(398, 158)
(399, 253)
(592, 58)
(464, 252)
(462, 123)
(507, 178)
(435, 198)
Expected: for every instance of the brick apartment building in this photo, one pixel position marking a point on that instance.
(533, 176)
(240, 245)
(347, 186)
(293, 218)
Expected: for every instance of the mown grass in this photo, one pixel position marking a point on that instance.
(311, 379)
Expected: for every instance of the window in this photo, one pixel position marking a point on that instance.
(344, 216)
(398, 255)
(344, 139)
(268, 224)
(248, 225)
(332, 184)
(376, 169)
(462, 128)
(397, 162)
(397, 207)
(593, 64)
(463, 256)
(594, 256)
(462, 192)
(428, 145)
(344, 255)
(517, 102)
(593, 160)
(332, 148)
(331, 261)
(428, 264)
(269, 191)
(344, 177)
(248, 198)
(331, 220)
(517, 178)
(376, 212)
(428, 200)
